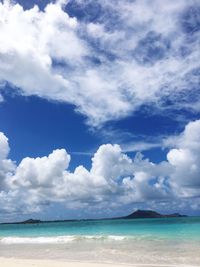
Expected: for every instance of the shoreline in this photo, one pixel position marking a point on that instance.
(16, 262)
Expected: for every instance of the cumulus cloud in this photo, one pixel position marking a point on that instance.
(114, 179)
(186, 161)
(6, 165)
(109, 60)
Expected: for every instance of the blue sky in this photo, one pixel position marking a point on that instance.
(99, 106)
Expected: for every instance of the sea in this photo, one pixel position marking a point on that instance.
(145, 242)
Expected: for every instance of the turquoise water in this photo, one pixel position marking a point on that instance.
(167, 228)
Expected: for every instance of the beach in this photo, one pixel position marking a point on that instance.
(121, 253)
(52, 263)
(48, 263)
(142, 242)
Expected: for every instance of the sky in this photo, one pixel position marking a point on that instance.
(99, 108)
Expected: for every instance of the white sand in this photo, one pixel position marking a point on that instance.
(12, 262)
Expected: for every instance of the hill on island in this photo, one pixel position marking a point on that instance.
(145, 214)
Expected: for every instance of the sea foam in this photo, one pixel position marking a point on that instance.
(58, 239)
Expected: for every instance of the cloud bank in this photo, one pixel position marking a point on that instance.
(107, 58)
(114, 179)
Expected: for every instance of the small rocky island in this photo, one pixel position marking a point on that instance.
(145, 214)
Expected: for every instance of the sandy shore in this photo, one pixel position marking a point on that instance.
(11, 262)
(4, 262)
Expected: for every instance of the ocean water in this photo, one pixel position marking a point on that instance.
(171, 241)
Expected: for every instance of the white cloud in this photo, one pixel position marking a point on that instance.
(140, 146)
(113, 180)
(109, 67)
(110, 162)
(4, 147)
(41, 172)
(6, 165)
(186, 160)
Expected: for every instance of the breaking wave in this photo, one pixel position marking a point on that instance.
(58, 239)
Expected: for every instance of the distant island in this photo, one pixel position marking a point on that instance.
(145, 214)
(138, 214)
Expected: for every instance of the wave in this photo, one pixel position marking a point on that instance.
(58, 239)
